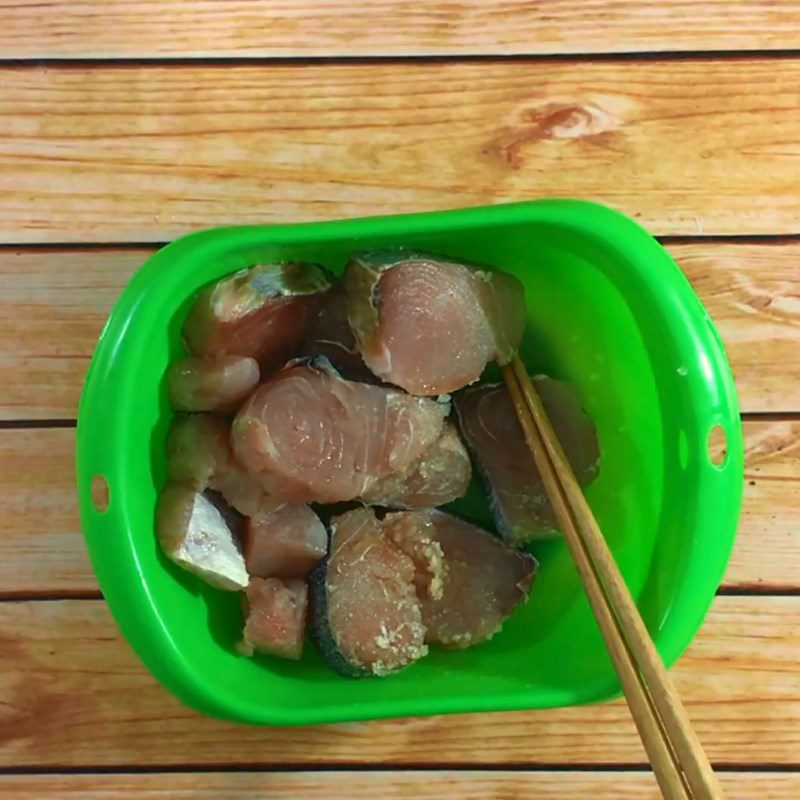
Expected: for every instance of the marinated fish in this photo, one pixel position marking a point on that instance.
(440, 475)
(492, 432)
(311, 436)
(366, 618)
(275, 617)
(468, 581)
(331, 337)
(263, 312)
(285, 543)
(428, 324)
(197, 448)
(194, 534)
(199, 455)
(211, 384)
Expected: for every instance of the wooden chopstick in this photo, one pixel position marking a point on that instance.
(677, 757)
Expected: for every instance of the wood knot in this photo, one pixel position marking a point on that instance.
(552, 121)
(571, 121)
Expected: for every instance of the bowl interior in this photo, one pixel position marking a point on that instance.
(608, 310)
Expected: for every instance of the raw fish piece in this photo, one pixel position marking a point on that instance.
(309, 435)
(263, 312)
(330, 337)
(193, 533)
(199, 455)
(492, 431)
(285, 543)
(275, 617)
(440, 475)
(428, 324)
(197, 448)
(468, 581)
(366, 618)
(242, 490)
(211, 384)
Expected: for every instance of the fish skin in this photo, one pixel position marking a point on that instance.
(193, 533)
(262, 312)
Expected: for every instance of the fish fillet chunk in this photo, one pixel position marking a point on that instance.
(311, 436)
(492, 432)
(468, 580)
(440, 475)
(194, 534)
(430, 325)
(262, 312)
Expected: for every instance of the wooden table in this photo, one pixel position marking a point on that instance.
(126, 123)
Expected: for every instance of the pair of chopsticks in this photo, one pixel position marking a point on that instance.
(679, 763)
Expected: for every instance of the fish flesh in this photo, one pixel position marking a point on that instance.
(311, 436)
(440, 475)
(331, 337)
(197, 448)
(262, 312)
(493, 434)
(366, 617)
(211, 384)
(468, 581)
(428, 324)
(199, 455)
(285, 543)
(194, 534)
(275, 617)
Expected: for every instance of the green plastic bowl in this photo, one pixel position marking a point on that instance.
(608, 310)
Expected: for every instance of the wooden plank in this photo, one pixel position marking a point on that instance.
(73, 694)
(444, 785)
(261, 28)
(53, 303)
(751, 292)
(42, 550)
(139, 153)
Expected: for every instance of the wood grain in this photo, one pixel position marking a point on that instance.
(73, 694)
(260, 28)
(752, 292)
(143, 153)
(443, 785)
(53, 304)
(42, 550)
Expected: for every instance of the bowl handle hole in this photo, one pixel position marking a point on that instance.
(100, 494)
(717, 446)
